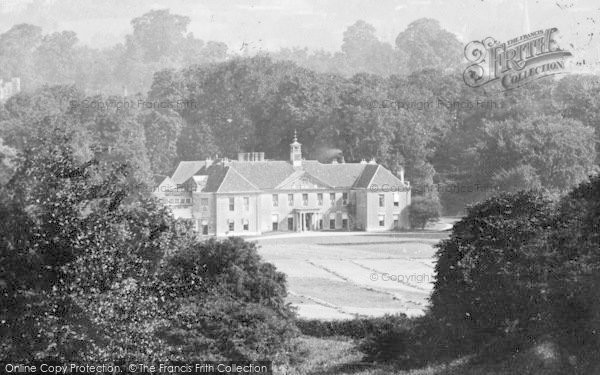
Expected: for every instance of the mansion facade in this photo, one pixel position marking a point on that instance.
(252, 195)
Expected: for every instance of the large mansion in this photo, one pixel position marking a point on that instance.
(253, 195)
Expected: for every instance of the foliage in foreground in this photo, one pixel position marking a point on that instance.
(89, 273)
(517, 273)
(358, 328)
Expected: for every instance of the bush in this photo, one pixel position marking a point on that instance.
(354, 328)
(407, 343)
(90, 273)
(574, 273)
(517, 273)
(423, 210)
(490, 274)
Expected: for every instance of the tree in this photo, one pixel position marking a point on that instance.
(360, 46)
(560, 151)
(7, 156)
(158, 33)
(17, 52)
(55, 58)
(422, 210)
(428, 46)
(162, 130)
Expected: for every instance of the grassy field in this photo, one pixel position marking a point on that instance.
(347, 276)
(340, 356)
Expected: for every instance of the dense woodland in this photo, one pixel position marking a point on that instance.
(404, 105)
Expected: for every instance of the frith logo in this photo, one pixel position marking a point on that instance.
(516, 62)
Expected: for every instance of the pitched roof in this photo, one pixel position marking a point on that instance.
(337, 175)
(233, 181)
(264, 174)
(239, 176)
(298, 175)
(383, 177)
(366, 176)
(187, 169)
(158, 179)
(216, 174)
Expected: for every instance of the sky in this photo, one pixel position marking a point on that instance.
(268, 25)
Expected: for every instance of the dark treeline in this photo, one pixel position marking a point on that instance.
(455, 142)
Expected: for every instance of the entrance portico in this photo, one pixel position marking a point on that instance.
(306, 219)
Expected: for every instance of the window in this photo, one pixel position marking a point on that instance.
(275, 200)
(382, 220)
(345, 199)
(332, 198)
(231, 204)
(290, 222)
(320, 199)
(345, 220)
(246, 203)
(305, 199)
(290, 200)
(275, 219)
(396, 199)
(170, 201)
(332, 221)
(245, 224)
(231, 226)
(204, 204)
(188, 200)
(381, 200)
(204, 226)
(396, 220)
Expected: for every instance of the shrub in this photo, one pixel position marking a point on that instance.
(89, 273)
(423, 210)
(388, 341)
(490, 274)
(574, 273)
(407, 343)
(516, 274)
(354, 328)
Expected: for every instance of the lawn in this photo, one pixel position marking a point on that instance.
(359, 275)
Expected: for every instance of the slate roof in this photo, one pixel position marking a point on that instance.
(235, 182)
(158, 179)
(264, 174)
(299, 173)
(366, 176)
(187, 169)
(236, 176)
(385, 178)
(337, 175)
